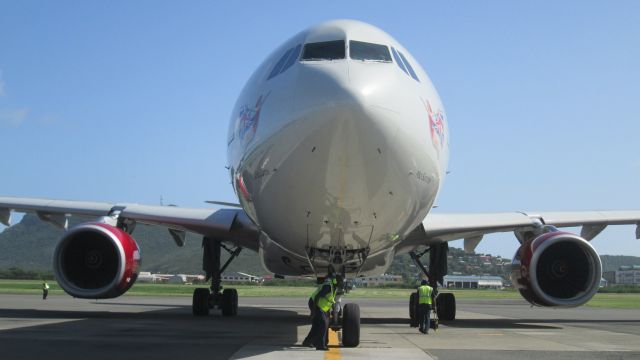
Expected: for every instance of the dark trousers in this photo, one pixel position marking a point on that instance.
(318, 333)
(45, 292)
(312, 306)
(424, 316)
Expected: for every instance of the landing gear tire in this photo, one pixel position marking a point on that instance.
(351, 325)
(229, 302)
(200, 303)
(446, 305)
(413, 310)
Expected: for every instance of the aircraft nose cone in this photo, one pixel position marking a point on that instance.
(340, 128)
(344, 99)
(339, 168)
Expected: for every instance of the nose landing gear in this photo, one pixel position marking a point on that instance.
(215, 297)
(345, 318)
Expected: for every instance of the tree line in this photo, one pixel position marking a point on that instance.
(16, 273)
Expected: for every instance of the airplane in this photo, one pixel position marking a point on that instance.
(338, 146)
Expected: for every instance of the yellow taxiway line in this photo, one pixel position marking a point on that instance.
(334, 347)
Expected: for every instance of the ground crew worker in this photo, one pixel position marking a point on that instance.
(45, 290)
(322, 299)
(425, 300)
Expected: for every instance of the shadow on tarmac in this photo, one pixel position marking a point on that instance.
(499, 323)
(474, 323)
(526, 323)
(160, 334)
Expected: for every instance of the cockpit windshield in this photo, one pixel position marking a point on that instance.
(359, 50)
(326, 50)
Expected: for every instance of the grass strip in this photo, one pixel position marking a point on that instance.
(605, 300)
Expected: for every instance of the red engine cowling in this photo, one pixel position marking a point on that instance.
(96, 261)
(556, 269)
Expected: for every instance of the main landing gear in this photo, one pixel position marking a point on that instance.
(445, 302)
(215, 297)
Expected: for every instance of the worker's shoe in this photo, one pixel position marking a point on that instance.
(307, 343)
(322, 348)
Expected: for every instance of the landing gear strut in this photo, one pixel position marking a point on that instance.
(445, 302)
(215, 297)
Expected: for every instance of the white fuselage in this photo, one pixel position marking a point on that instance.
(337, 160)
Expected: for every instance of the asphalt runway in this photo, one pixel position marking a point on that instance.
(272, 328)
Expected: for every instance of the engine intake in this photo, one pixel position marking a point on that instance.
(556, 269)
(96, 261)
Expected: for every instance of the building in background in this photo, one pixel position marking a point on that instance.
(628, 275)
(381, 280)
(238, 277)
(610, 276)
(147, 277)
(473, 282)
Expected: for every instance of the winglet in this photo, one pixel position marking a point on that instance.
(224, 203)
(5, 217)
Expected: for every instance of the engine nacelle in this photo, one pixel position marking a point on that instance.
(556, 269)
(96, 261)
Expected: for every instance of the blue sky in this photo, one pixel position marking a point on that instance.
(129, 101)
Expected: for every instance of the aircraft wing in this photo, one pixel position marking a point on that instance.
(441, 227)
(232, 225)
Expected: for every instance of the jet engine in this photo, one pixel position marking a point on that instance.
(96, 261)
(557, 269)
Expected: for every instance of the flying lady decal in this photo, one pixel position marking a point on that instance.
(248, 119)
(436, 126)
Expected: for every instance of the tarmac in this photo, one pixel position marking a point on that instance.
(273, 328)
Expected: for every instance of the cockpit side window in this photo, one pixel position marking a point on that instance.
(359, 50)
(288, 58)
(399, 61)
(326, 50)
(293, 56)
(278, 66)
(403, 63)
(408, 65)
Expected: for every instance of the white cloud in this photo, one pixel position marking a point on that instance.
(13, 117)
(1, 84)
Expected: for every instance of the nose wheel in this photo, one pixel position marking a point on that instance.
(215, 297)
(351, 325)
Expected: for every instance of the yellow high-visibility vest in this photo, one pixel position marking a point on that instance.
(424, 294)
(325, 302)
(317, 290)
